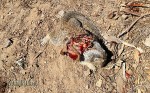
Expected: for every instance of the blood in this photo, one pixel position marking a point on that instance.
(78, 45)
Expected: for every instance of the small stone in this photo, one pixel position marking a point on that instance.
(122, 8)
(42, 16)
(8, 42)
(86, 73)
(45, 40)
(12, 68)
(21, 62)
(23, 72)
(45, 62)
(60, 14)
(99, 83)
(2, 17)
(87, 87)
(147, 41)
(124, 16)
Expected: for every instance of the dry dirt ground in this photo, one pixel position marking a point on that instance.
(28, 67)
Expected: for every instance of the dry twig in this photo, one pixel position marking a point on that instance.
(133, 23)
(40, 52)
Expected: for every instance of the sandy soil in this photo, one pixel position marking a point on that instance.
(28, 67)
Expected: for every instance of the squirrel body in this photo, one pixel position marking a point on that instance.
(77, 24)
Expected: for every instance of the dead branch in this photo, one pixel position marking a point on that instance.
(133, 23)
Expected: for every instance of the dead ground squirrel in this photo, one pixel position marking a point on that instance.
(76, 23)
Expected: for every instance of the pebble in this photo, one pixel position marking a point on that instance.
(147, 41)
(45, 40)
(42, 16)
(8, 42)
(87, 87)
(21, 62)
(86, 73)
(23, 72)
(124, 16)
(122, 8)
(99, 83)
(60, 14)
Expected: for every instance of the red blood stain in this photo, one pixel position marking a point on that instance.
(78, 45)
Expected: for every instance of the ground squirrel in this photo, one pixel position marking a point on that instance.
(76, 23)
